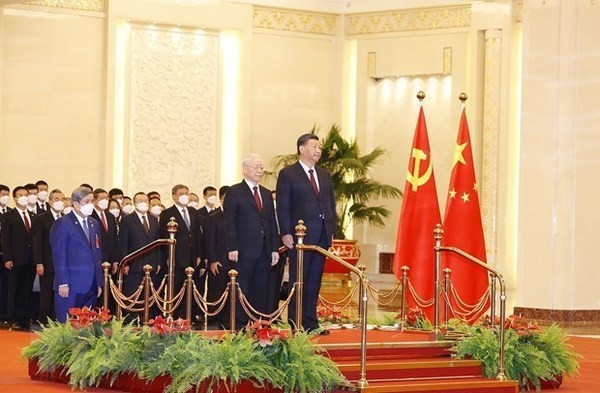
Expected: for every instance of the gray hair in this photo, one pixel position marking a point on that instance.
(251, 158)
(56, 190)
(79, 193)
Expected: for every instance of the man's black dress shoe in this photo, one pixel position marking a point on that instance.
(324, 332)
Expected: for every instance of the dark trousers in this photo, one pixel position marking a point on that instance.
(180, 278)
(46, 311)
(314, 263)
(3, 292)
(253, 280)
(63, 304)
(275, 277)
(216, 286)
(20, 283)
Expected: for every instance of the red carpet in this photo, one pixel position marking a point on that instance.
(14, 378)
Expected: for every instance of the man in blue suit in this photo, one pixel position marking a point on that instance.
(305, 192)
(77, 256)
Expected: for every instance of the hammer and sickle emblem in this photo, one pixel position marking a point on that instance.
(414, 178)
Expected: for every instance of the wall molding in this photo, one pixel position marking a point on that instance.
(80, 5)
(295, 21)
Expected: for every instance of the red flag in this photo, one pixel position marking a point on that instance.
(462, 226)
(420, 214)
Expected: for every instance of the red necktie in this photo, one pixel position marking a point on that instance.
(27, 226)
(104, 224)
(257, 199)
(313, 181)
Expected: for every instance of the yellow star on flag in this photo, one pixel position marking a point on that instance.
(452, 193)
(458, 154)
(475, 187)
(465, 197)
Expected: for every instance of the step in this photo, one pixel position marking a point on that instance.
(411, 368)
(389, 350)
(447, 385)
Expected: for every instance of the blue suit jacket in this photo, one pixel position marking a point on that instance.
(76, 260)
(297, 200)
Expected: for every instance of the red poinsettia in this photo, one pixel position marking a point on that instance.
(523, 327)
(163, 326)
(86, 316)
(266, 334)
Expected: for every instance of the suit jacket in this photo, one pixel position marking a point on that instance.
(109, 239)
(16, 241)
(188, 244)
(42, 252)
(133, 236)
(2, 214)
(297, 200)
(204, 212)
(76, 260)
(216, 247)
(38, 209)
(245, 225)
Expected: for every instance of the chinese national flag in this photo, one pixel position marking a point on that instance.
(463, 228)
(418, 218)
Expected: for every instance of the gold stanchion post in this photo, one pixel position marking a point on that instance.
(147, 283)
(300, 234)
(405, 270)
(232, 298)
(106, 289)
(172, 230)
(189, 272)
(447, 272)
(438, 234)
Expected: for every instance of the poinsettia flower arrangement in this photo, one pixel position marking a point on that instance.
(266, 334)
(80, 318)
(522, 326)
(333, 315)
(168, 325)
(415, 318)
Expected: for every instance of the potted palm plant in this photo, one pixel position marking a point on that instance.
(354, 189)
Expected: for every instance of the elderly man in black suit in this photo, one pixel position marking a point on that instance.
(42, 253)
(252, 238)
(304, 191)
(187, 248)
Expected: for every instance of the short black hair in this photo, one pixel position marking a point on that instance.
(98, 191)
(17, 189)
(139, 193)
(151, 194)
(115, 191)
(303, 140)
(87, 185)
(153, 198)
(223, 190)
(41, 183)
(30, 186)
(178, 187)
(207, 189)
(4, 188)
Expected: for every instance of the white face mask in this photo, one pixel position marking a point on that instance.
(23, 201)
(32, 199)
(193, 204)
(87, 210)
(58, 206)
(4, 200)
(120, 200)
(184, 199)
(115, 212)
(103, 204)
(43, 195)
(127, 209)
(156, 210)
(67, 210)
(212, 200)
(142, 207)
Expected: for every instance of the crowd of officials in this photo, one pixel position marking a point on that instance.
(53, 243)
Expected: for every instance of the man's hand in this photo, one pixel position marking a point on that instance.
(39, 268)
(214, 267)
(288, 241)
(233, 255)
(198, 261)
(274, 258)
(9, 265)
(99, 291)
(115, 266)
(126, 270)
(63, 291)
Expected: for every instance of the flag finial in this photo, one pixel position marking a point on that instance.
(463, 97)
(421, 95)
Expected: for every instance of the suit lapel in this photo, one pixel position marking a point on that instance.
(306, 181)
(80, 229)
(250, 196)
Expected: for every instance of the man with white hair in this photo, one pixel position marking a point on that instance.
(252, 238)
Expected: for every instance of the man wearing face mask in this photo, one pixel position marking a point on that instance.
(108, 228)
(42, 203)
(210, 198)
(32, 195)
(194, 201)
(252, 238)
(4, 208)
(42, 254)
(17, 254)
(137, 230)
(155, 206)
(77, 256)
(68, 205)
(127, 206)
(187, 248)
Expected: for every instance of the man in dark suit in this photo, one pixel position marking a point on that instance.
(18, 259)
(4, 208)
(42, 254)
(187, 248)
(218, 261)
(304, 191)
(252, 239)
(108, 228)
(210, 198)
(137, 230)
(77, 256)
(42, 205)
